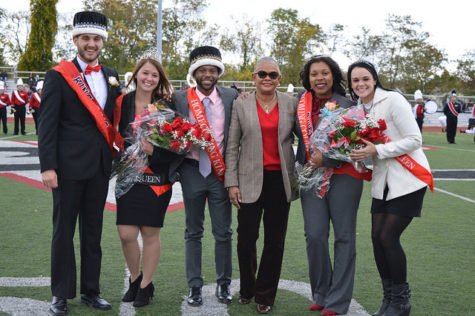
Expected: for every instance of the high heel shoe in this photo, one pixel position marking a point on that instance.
(144, 295)
(131, 293)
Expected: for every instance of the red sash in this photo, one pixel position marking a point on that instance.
(217, 161)
(452, 109)
(304, 114)
(75, 80)
(158, 189)
(415, 168)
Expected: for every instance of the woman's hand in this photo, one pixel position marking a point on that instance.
(147, 147)
(235, 196)
(316, 159)
(361, 154)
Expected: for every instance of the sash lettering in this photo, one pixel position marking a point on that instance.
(452, 109)
(217, 161)
(72, 76)
(304, 114)
(154, 182)
(413, 167)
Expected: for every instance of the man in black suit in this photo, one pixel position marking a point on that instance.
(75, 142)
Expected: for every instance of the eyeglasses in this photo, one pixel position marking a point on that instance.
(262, 74)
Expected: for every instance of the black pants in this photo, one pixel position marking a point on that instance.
(35, 118)
(85, 198)
(3, 119)
(451, 129)
(20, 114)
(420, 121)
(274, 206)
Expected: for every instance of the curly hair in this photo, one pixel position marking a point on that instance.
(338, 81)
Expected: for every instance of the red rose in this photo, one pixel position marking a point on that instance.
(188, 144)
(332, 134)
(207, 136)
(166, 128)
(382, 124)
(179, 133)
(374, 135)
(196, 132)
(186, 127)
(177, 123)
(347, 122)
(174, 145)
(364, 132)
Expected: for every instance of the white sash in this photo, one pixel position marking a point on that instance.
(2, 103)
(17, 96)
(37, 96)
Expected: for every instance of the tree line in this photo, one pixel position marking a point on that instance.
(402, 51)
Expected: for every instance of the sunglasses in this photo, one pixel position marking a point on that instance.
(262, 74)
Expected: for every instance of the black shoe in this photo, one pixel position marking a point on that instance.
(95, 301)
(15, 134)
(23, 133)
(144, 295)
(131, 293)
(194, 298)
(223, 295)
(58, 306)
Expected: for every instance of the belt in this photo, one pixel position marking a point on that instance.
(193, 162)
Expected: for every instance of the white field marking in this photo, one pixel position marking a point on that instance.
(459, 149)
(452, 179)
(453, 170)
(23, 306)
(211, 306)
(23, 282)
(455, 195)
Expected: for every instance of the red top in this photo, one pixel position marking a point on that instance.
(4, 100)
(270, 136)
(317, 104)
(22, 95)
(34, 102)
(348, 169)
(419, 110)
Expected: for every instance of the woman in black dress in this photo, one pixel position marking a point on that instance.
(142, 209)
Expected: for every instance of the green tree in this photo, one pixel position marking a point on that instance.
(364, 46)
(38, 54)
(466, 72)
(16, 30)
(293, 40)
(2, 39)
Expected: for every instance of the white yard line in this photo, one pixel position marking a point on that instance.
(454, 195)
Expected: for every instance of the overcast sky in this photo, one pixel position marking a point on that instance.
(451, 25)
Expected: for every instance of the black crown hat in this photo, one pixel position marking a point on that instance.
(88, 22)
(203, 56)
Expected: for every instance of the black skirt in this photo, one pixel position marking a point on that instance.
(409, 205)
(142, 207)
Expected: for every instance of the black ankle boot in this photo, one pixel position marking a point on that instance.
(387, 284)
(144, 295)
(400, 304)
(131, 293)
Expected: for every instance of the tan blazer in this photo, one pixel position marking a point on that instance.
(244, 153)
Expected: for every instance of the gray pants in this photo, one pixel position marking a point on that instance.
(196, 190)
(332, 288)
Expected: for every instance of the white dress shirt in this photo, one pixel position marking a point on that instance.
(97, 83)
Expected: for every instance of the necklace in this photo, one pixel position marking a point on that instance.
(269, 106)
(367, 107)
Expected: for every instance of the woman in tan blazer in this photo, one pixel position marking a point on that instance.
(260, 168)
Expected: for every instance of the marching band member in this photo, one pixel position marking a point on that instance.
(19, 102)
(452, 110)
(35, 101)
(4, 101)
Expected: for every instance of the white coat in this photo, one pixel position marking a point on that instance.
(405, 137)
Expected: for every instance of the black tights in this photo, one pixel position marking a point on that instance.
(388, 253)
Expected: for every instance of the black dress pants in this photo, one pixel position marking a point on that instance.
(273, 204)
(451, 129)
(20, 114)
(85, 198)
(3, 119)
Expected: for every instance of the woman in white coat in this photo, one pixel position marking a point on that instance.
(401, 175)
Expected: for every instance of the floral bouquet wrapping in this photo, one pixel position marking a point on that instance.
(163, 128)
(338, 132)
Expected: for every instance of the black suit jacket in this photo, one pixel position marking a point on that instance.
(68, 138)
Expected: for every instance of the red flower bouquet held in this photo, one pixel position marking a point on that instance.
(162, 128)
(338, 132)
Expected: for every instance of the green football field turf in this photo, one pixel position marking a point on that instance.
(440, 249)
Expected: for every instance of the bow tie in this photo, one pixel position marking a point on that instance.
(90, 69)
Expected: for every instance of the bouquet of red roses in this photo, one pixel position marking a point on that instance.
(163, 128)
(337, 134)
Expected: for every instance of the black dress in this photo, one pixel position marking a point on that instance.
(141, 206)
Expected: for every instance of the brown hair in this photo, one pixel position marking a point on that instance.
(163, 88)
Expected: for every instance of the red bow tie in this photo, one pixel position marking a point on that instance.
(90, 69)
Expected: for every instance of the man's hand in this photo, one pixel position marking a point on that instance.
(235, 196)
(50, 179)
